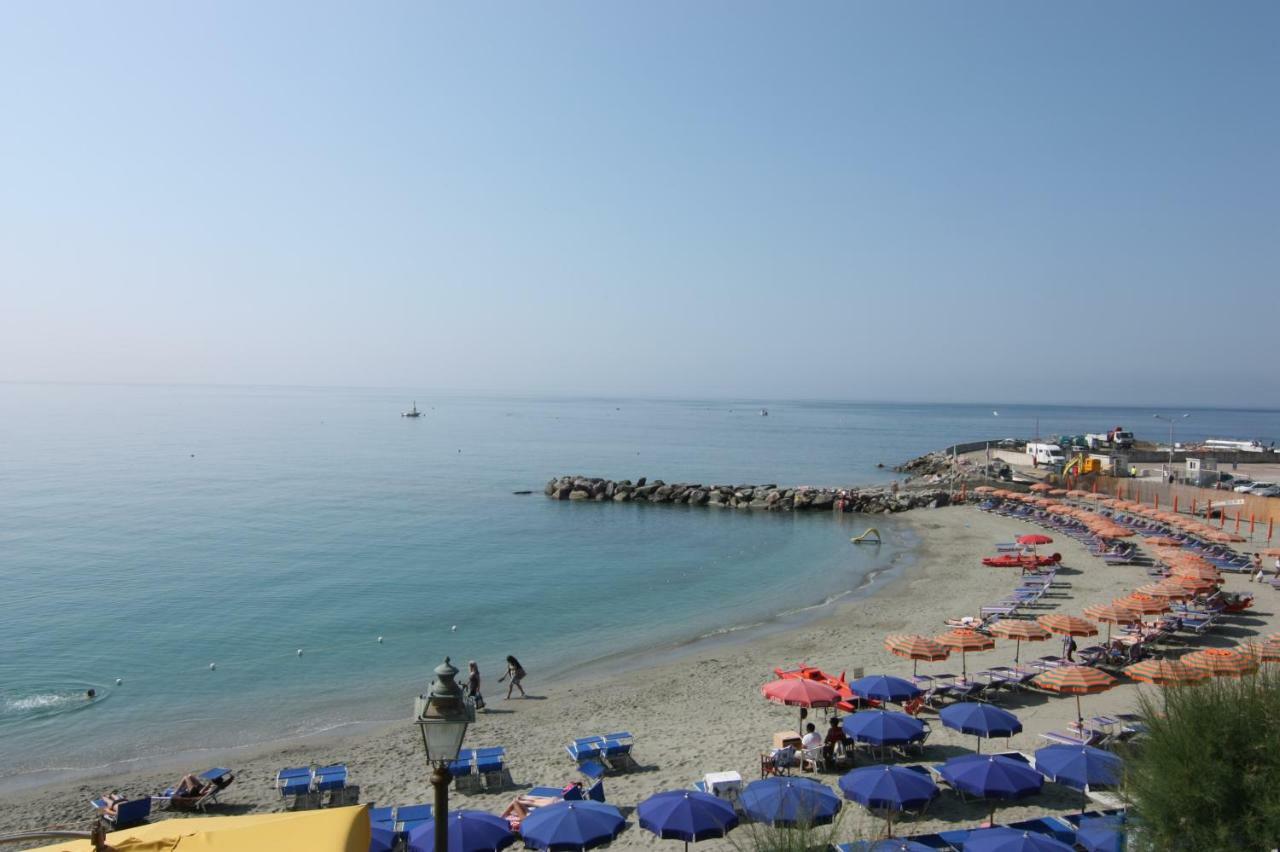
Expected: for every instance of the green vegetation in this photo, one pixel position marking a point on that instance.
(1208, 774)
(802, 837)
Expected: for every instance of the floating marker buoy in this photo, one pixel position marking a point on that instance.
(212, 666)
(454, 628)
(299, 652)
(119, 681)
(379, 640)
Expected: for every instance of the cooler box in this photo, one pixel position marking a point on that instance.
(723, 785)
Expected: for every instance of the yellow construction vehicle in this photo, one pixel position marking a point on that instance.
(1081, 465)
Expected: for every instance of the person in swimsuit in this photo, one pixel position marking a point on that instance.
(516, 672)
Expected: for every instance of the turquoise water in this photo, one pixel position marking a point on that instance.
(146, 532)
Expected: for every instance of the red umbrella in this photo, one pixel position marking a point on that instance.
(800, 692)
(1034, 538)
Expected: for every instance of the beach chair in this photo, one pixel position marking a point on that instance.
(616, 751)
(955, 839)
(125, 814)
(409, 817)
(1086, 737)
(334, 780)
(383, 818)
(491, 765)
(1051, 826)
(295, 783)
(463, 772)
(215, 780)
(933, 841)
(586, 748)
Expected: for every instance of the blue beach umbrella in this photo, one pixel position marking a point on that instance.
(883, 727)
(1079, 766)
(1102, 834)
(891, 788)
(885, 688)
(899, 844)
(381, 839)
(790, 801)
(981, 720)
(571, 826)
(688, 815)
(992, 776)
(469, 831)
(1012, 840)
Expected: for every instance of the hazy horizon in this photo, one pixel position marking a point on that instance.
(908, 202)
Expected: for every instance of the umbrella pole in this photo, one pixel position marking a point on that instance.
(1017, 653)
(979, 739)
(1079, 714)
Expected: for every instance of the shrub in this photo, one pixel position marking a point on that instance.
(1207, 776)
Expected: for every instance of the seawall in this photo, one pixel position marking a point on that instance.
(768, 498)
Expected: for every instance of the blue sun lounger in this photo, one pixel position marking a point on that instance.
(126, 814)
(294, 781)
(586, 748)
(216, 780)
(1051, 826)
(409, 817)
(617, 749)
(332, 777)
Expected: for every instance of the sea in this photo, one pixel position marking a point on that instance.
(228, 566)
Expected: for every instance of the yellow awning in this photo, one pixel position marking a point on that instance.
(331, 830)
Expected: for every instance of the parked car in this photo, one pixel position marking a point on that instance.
(1261, 486)
(1269, 491)
(1242, 485)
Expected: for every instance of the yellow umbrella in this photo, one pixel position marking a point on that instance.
(329, 830)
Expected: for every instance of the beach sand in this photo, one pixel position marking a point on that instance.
(703, 712)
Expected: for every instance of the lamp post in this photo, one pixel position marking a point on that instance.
(1170, 421)
(443, 715)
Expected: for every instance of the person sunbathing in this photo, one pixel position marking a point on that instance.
(110, 802)
(190, 787)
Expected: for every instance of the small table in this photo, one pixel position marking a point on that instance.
(782, 739)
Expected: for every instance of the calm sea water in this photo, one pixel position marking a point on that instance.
(146, 532)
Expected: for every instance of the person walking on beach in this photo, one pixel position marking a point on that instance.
(473, 685)
(516, 672)
(1069, 648)
(1255, 576)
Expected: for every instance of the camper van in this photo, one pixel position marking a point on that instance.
(1050, 454)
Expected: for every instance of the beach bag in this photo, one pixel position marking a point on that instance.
(479, 701)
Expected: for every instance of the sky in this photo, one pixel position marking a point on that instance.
(904, 201)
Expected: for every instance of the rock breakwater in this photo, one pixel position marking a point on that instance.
(769, 497)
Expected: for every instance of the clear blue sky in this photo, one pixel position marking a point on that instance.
(954, 201)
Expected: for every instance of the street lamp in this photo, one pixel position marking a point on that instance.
(443, 715)
(1170, 421)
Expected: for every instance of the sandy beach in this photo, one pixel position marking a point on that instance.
(703, 712)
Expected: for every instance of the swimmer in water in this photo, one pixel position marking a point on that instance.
(91, 694)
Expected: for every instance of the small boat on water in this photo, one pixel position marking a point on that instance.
(412, 412)
(764, 412)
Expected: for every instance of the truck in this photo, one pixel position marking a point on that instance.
(1120, 438)
(1050, 454)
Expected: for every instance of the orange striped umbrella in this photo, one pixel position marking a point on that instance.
(1163, 541)
(1145, 604)
(1058, 492)
(915, 647)
(1267, 651)
(1203, 572)
(1194, 584)
(964, 640)
(1271, 551)
(1042, 486)
(1067, 625)
(1112, 613)
(1016, 629)
(984, 489)
(1221, 662)
(1164, 672)
(1172, 591)
(1075, 680)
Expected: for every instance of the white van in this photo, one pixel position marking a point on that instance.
(1050, 454)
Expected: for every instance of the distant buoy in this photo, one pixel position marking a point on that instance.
(299, 652)
(379, 640)
(454, 628)
(212, 666)
(119, 681)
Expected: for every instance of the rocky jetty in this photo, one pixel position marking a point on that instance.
(770, 498)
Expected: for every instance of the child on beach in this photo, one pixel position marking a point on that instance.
(516, 672)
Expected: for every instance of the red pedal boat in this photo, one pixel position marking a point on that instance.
(1011, 560)
(849, 702)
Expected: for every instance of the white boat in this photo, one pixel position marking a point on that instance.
(412, 412)
(764, 412)
(1236, 446)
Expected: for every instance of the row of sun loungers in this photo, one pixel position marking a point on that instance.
(120, 812)
(481, 767)
(608, 750)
